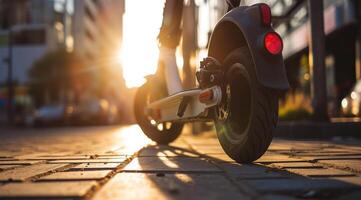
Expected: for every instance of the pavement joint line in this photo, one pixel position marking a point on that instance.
(275, 166)
(348, 169)
(242, 188)
(11, 168)
(316, 160)
(35, 178)
(172, 172)
(290, 174)
(331, 176)
(104, 180)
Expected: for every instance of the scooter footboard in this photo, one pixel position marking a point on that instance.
(185, 105)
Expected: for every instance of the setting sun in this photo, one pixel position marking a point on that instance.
(139, 53)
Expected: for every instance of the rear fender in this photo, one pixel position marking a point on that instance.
(243, 27)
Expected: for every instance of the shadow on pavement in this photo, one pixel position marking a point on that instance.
(179, 173)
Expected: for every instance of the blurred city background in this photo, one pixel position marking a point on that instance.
(70, 62)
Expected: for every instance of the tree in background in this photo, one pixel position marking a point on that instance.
(57, 77)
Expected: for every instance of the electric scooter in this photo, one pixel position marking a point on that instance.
(238, 87)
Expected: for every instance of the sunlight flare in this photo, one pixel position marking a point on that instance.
(139, 52)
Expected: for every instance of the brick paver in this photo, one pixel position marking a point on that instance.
(173, 164)
(114, 160)
(17, 162)
(121, 163)
(251, 171)
(295, 165)
(299, 186)
(77, 175)
(353, 165)
(3, 167)
(95, 166)
(321, 172)
(168, 186)
(49, 190)
(26, 172)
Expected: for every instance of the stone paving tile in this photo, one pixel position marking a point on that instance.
(115, 160)
(208, 149)
(278, 158)
(321, 172)
(22, 173)
(340, 150)
(18, 162)
(166, 151)
(325, 153)
(266, 158)
(76, 175)
(279, 147)
(95, 166)
(317, 158)
(111, 156)
(351, 195)
(76, 158)
(7, 154)
(29, 156)
(46, 190)
(296, 165)
(170, 164)
(275, 196)
(61, 154)
(59, 158)
(355, 180)
(201, 141)
(3, 167)
(7, 159)
(350, 148)
(219, 157)
(299, 186)
(353, 165)
(294, 146)
(168, 186)
(251, 171)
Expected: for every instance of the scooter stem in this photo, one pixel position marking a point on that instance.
(172, 78)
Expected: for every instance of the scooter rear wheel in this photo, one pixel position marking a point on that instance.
(247, 116)
(163, 133)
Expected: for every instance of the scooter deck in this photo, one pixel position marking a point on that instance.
(169, 108)
(174, 99)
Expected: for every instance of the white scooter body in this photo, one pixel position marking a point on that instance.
(195, 101)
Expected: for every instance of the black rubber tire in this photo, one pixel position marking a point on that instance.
(253, 110)
(161, 137)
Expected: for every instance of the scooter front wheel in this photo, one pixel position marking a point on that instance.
(248, 114)
(161, 133)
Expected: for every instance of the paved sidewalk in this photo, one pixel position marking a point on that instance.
(120, 163)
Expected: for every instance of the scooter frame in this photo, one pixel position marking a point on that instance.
(181, 105)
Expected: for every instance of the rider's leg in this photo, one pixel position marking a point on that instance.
(172, 78)
(169, 37)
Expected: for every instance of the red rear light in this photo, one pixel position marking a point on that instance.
(266, 14)
(273, 43)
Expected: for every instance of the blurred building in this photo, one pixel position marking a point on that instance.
(97, 26)
(36, 27)
(91, 28)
